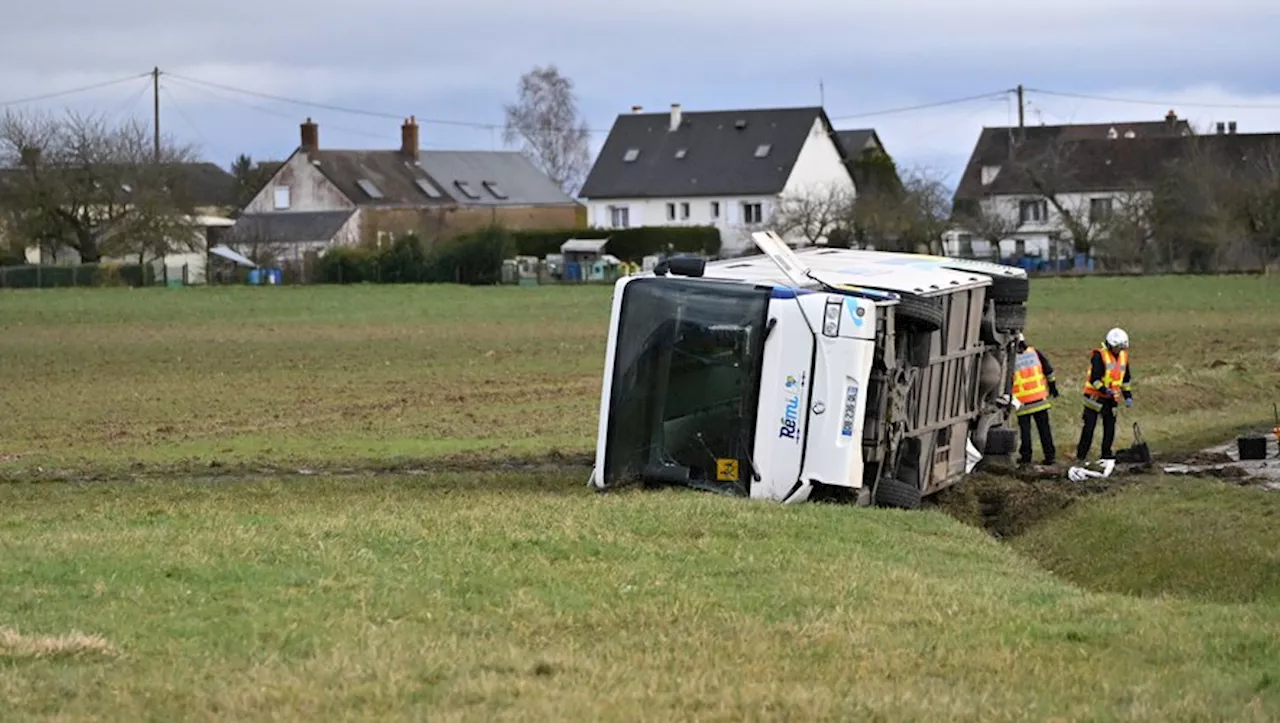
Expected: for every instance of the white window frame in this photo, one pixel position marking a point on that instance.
(684, 211)
(619, 216)
(1104, 202)
(752, 213)
(1033, 210)
(276, 198)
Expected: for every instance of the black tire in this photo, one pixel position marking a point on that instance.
(1009, 290)
(897, 494)
(1001, 441)
(919, 312)
(1010, 317)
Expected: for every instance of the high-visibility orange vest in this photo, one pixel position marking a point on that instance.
(1114, 377)
(1029, 382)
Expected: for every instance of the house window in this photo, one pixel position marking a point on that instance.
(1036, 211)
(1019, 247)
(762, 150)
(425, 186)
(752, 213)
(684, 211)
(281, 197)
(715, 209)
(631, 155)
(964, 245)
(369, 189)
(466, 189)
(671, 212)
(619, 216)
(1100, 209)
(493, 188)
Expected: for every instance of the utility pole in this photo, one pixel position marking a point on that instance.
(1021, 109)
(155, 98)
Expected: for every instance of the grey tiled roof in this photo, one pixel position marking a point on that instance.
(712, 153)
(396, 178)
(289, 226)
(997, 147)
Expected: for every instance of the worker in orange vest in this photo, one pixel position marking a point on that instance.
(1107, 384)
(1033, 386)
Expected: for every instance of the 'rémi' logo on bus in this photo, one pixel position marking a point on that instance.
(790, 428)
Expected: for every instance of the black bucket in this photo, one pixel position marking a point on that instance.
(1139, 453)
(1251, 448)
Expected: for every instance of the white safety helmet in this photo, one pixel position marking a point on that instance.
(1117, 339)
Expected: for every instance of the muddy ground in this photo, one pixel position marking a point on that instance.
(1002, 499)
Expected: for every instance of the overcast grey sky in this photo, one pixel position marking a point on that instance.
(461, 61)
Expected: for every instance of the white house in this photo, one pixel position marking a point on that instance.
(723, 168)
(1028, 181)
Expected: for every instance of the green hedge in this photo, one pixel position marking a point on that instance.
(476, 258)
(628, 244)
(47, 277)
(471, 259)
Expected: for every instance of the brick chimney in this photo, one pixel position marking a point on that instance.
(409, 139)
(1222, 127)
(1171, 119)
(637, 109)
(310, 137)
(1231, 127)
(675, 116)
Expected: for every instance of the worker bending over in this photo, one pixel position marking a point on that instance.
(1107, 383)
(1033, 385)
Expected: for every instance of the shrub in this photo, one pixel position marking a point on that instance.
(404, 262)
(349, 265)
(474, 258)
(628, 244)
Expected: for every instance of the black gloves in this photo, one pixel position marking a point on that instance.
(1053, 389)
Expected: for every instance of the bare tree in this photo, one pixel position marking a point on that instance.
(1132, 229)
(925, 212)
(814, 213)
(984, 220)
(544, 120)
(1052, 172)
(1259, 202)
(78, 182)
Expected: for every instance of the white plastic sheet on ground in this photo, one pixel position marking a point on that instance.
(1080, 474)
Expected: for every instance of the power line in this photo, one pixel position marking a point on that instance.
(70, 91)
(925, 106)
(182, 114)
(296, 101)
(262, 109)
(499, 126)
(131, 102)
(1162, 103)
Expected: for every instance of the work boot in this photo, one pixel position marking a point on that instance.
(1050, 462)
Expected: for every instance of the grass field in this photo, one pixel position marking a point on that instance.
(197, 592)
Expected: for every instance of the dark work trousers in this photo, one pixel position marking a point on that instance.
(1046, 436)
(1090, 419)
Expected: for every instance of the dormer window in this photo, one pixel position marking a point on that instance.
(631, 155)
